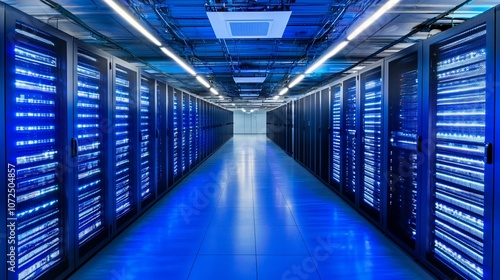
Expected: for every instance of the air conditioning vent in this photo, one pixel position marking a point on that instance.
(249, 24)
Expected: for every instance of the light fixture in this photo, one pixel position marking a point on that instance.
(283, 91)
(178, 60)
(276, 97)
(296, 81)
(203, 81)
(214, 91)
(251, 111)
(243, 109)
(233, 104)
(325, 57)
(221, 97)
(133, 22)
(372, 19)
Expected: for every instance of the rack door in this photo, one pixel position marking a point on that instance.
(371, 141)
(460, 181)
(125, 108)
(147, 141)
(163, 127)
(336, 156)
(402, 141)
(36, 140)
(90, 144)
(350, 145)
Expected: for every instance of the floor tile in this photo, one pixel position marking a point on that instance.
(223, 267)
(233, 239)
(286, 267)
(279, 240)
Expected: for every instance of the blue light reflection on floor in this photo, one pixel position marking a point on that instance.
(251, 212)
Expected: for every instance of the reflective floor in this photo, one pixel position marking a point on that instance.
(251, 212)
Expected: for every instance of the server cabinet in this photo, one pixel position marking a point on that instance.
(325, 135)
(196, 117)
(184, 155)
(125, 107)
(36, 159)
(147, 140)
(91, 146)
(296, 130)
(203, 124)
(461, 133)
(316, 132)
(350, 166)
(175, 121)
(308, 135)
(404, 103)
(163, 130)
(370, 153)
(190, 131)
(336, 125)
(289, 126)
(3, 167)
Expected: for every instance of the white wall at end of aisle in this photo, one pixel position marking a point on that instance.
(250, 123)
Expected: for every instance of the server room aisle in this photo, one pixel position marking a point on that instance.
(251, 212)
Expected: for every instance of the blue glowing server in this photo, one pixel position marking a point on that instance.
(36, 157)
(460, 154)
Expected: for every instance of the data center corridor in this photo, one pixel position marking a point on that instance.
(251, 212)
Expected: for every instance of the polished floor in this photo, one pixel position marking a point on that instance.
(251, 212)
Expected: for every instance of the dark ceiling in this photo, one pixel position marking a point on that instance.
(313, 27)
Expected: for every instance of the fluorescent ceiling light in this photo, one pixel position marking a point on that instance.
(214, 91)
(250, 89)
(296, 81)
(133, 22)
(283, 91)
(243, 109)
(233, 104)
(221, 97)
(372, 19)
(276, 97)
(203, 81)
(325, 57)
(255, 80)
(178, 60)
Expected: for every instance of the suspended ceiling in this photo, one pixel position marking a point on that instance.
(248, 71)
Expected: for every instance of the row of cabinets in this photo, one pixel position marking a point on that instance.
(89, 142)
(410, 143)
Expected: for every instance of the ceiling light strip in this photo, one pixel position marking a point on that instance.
(178, 60)
(372, 19)
(133, 22)
(343, 44)
(203, 81)
(214, 91)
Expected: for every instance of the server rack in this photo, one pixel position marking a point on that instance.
(308, 140)
(147, 140)
(125, 93)
(289, 127)
(350, 167)
(403, 139)
(175, 122)
(190, 131)
(316, 132)
(91, 146)
(296, 130)
(370, 149)
(337, 142)
(197, 131)
(163, 132)
(36, 102)
(184, 133)
(325, 129)
(460, 159)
